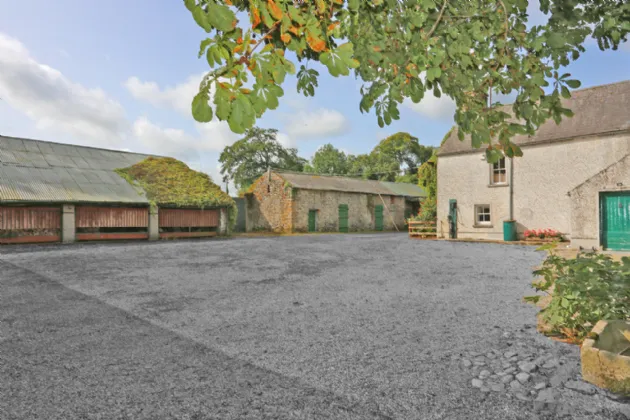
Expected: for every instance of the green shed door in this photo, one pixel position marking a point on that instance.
(312, 218)
(343, 218)
(378, 217)
(615, 220)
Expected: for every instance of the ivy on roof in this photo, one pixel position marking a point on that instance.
(167, 181)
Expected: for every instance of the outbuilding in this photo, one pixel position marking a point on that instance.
(51, 192)
(282, 201)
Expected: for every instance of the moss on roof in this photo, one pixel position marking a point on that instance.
(169, 182)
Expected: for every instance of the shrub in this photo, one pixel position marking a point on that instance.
(583, 290)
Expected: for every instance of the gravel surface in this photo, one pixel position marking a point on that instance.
(306, 327)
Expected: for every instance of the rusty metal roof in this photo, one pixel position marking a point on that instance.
(344, 184)
(597, 110)
(39, 171)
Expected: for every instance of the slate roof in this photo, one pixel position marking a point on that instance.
(40, 171)
(598, 110)
(344, 184)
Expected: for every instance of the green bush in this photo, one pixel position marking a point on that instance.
(583, 290)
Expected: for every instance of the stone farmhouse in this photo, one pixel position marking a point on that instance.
(297, 202)
(574, 177)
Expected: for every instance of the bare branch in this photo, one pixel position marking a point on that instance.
(438, 19)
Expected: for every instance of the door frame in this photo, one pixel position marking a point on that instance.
(602, 214)
(314, 212)
(382, 218)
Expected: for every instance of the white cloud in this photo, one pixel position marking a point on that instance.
(318, 123)
(442, 108)
(55, 103)
(180, 144)
(178, 97)
(285, 140)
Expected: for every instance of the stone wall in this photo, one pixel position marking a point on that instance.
(585, 202)
(269, 208)
(543, 176)
(360, 210)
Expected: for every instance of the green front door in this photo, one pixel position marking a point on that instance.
(615, 220)
(312, 220)
(378, 217)
(343, 218)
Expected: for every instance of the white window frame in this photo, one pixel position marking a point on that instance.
(497, 169)
(483, 207)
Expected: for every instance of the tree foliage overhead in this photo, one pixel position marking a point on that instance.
(465, 49)
(328, 160)
(249, 157)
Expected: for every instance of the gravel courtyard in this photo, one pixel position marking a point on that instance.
(357, 326)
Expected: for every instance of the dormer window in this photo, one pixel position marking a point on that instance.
(498, 175)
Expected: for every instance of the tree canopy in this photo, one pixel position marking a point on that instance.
(328, 160)
(465, 49)
(249, 157)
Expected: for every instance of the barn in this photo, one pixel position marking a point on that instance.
(53, 192)
(282, 201)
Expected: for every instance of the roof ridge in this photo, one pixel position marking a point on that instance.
(281, 171)
(78, 145)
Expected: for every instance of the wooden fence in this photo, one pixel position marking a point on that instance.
(422, 229)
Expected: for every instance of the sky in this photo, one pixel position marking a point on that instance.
(122, 76)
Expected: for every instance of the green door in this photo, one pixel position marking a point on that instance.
(378, 217)
(343, 218)
(312, 219)
(615, 220)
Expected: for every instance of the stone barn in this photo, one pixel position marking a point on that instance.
(296, 202)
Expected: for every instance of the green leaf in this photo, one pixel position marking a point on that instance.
(201, 18)
(223, 103)
(353, 5)
(221, 17)
(565, 92)
(556, 40)
(200, 108)
(573, 84)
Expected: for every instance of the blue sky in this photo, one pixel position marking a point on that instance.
(122, 76)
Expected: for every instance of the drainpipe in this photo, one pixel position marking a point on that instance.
(511, 188)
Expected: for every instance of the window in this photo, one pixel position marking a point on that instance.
(392, 199)
(268, 188)
(482, 214)
(499, 173)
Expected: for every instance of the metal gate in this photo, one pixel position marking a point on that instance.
(241, 221)
(30, 224)
(615, 220)
(183, 223)
(105, 223)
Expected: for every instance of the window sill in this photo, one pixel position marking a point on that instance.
(498, 185)
(483, 226)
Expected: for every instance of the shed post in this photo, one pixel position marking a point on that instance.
(223, 221)
(154, 223)
(68, 227)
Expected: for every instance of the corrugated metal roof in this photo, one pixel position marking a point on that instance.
(598, 110)
(343, 184)
(407, 190)
(38, 171)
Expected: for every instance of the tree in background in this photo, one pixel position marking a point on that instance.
(396, 154)
(427, 179)
(466, 50)
(248, 158)
(328, 160)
